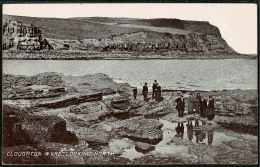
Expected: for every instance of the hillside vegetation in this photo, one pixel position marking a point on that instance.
(171, 36)
(72, 29)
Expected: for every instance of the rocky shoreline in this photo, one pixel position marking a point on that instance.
(50, 112)
(97, 55)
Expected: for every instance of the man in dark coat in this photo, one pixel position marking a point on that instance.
(155, 84)
(197, 103)
(158, 94)
(135, 92)
(203, 107)
(211, 109)
(180, 106)
(145, 91)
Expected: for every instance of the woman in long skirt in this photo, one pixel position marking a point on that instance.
(191, 100)
(210, 109)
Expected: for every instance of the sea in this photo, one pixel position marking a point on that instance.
(195, 74)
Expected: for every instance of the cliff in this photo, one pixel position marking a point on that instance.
(22, 36)
(113, 34)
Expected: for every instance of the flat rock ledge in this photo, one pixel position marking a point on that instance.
(74, 99)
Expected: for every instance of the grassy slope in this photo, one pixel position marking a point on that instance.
(90, 27)
(73, 29)
(157, 29)
(175, 24)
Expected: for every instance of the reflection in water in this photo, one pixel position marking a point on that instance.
(180, 130)
(168, 146)
(210, 136)
(199, 132)
(200, 135)
(197, 123)
(189, 130)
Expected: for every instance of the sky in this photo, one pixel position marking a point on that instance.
(237, 22)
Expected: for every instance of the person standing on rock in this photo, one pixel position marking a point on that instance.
(135, 92)
(145, 91)
(203, 107)
(211, 109)
(155, 84)
(180, 106)
(158, 94)
(191, 101)
(197, 104)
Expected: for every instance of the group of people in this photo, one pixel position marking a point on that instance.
(156, 91)
(196, 105)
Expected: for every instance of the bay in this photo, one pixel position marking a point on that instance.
(220, 74)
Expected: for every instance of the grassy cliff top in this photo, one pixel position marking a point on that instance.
(104, 27)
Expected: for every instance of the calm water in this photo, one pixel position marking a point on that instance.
(197, 136)
(170, 74)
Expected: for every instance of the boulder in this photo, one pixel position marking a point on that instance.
(47, 128)
(144, 130)
(34, 128)
(120, 103)
(94, 136)
(143, 147)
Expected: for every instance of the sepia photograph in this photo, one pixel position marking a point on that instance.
(129, 83)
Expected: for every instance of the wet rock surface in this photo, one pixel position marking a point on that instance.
(46, 85)
(143, 147)
(120, 103)
(129, 131)
(140, 129)
(23, 128)
(69, 100)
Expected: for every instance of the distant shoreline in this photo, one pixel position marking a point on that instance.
(96, 55)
